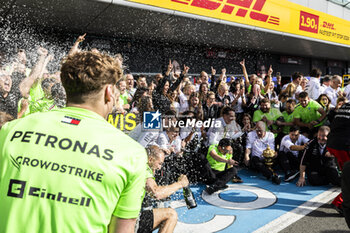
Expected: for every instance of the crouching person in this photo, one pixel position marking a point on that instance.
(153, 218)
(221, 166)
(317, 163)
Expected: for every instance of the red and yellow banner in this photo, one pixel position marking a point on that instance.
(279, 15)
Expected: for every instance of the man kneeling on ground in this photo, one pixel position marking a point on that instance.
(221, 167)
(319, 165)
(163, 218)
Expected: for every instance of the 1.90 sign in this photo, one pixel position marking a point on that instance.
(308, 22)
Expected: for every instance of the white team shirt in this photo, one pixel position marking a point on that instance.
(258, 145)
(332, 94)
(313, 88)
(286, 143)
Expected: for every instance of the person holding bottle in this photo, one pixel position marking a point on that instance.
(153, 218)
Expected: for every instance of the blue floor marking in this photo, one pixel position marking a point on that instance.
(289, 196)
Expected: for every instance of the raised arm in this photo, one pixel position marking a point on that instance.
(268, 79)
(245, 74)
(26, 84)
(170, 67)
(75, 48)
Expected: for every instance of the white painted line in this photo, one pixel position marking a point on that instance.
(264, 199)
(288, 218)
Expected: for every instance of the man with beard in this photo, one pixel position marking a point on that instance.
(318, 163)
(268, 115)
(308, 114)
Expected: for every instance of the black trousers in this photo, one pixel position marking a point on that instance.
(220, 178)
(260, 166)
(326, 175)
(288, 161)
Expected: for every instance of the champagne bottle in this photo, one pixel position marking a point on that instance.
(189, 198)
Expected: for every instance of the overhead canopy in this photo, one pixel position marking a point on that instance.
(123, 19)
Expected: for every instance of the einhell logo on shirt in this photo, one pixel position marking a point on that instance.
(152, 120)
(70, 120)
(18, 189)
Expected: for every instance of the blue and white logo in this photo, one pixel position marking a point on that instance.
(152, 120)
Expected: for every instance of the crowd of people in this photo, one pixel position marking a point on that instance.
(246, 116)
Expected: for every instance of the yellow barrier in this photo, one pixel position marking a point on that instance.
(278, 15)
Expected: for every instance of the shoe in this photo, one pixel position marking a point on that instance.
(338, 209)
(237, 179)
(290, 176)
(212, 189)
(276, 179)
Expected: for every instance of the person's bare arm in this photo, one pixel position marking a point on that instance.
(301, 182)
(268, 79)
(74, 48)
(245, 73)
(298, 148)
(246, 156)
(299, 123)
(161, 192)
(24, 107)
(26, 84)
(119, 225)
(170, 67)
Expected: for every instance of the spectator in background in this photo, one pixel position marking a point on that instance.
(288, 117)
(340, 102)
(268, 115)
(210, 109)
(160, 100)
(308, 115)
(333, 91)
(196, 106)
(303, 83)
(293, 90)
(237, 100)
(203, 92)
(228, 127)
(10, 95)
(123, 98)
(325, 82)
(313, 88)
(129, 78)
(142, 82)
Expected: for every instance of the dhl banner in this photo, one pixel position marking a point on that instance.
(278, 15)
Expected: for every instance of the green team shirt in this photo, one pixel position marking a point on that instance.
(42, 105)
(36, 91)
(287, 118)
(124, 98)
(219, 166)
(68, 170)
(309, 113)
(272, 115)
